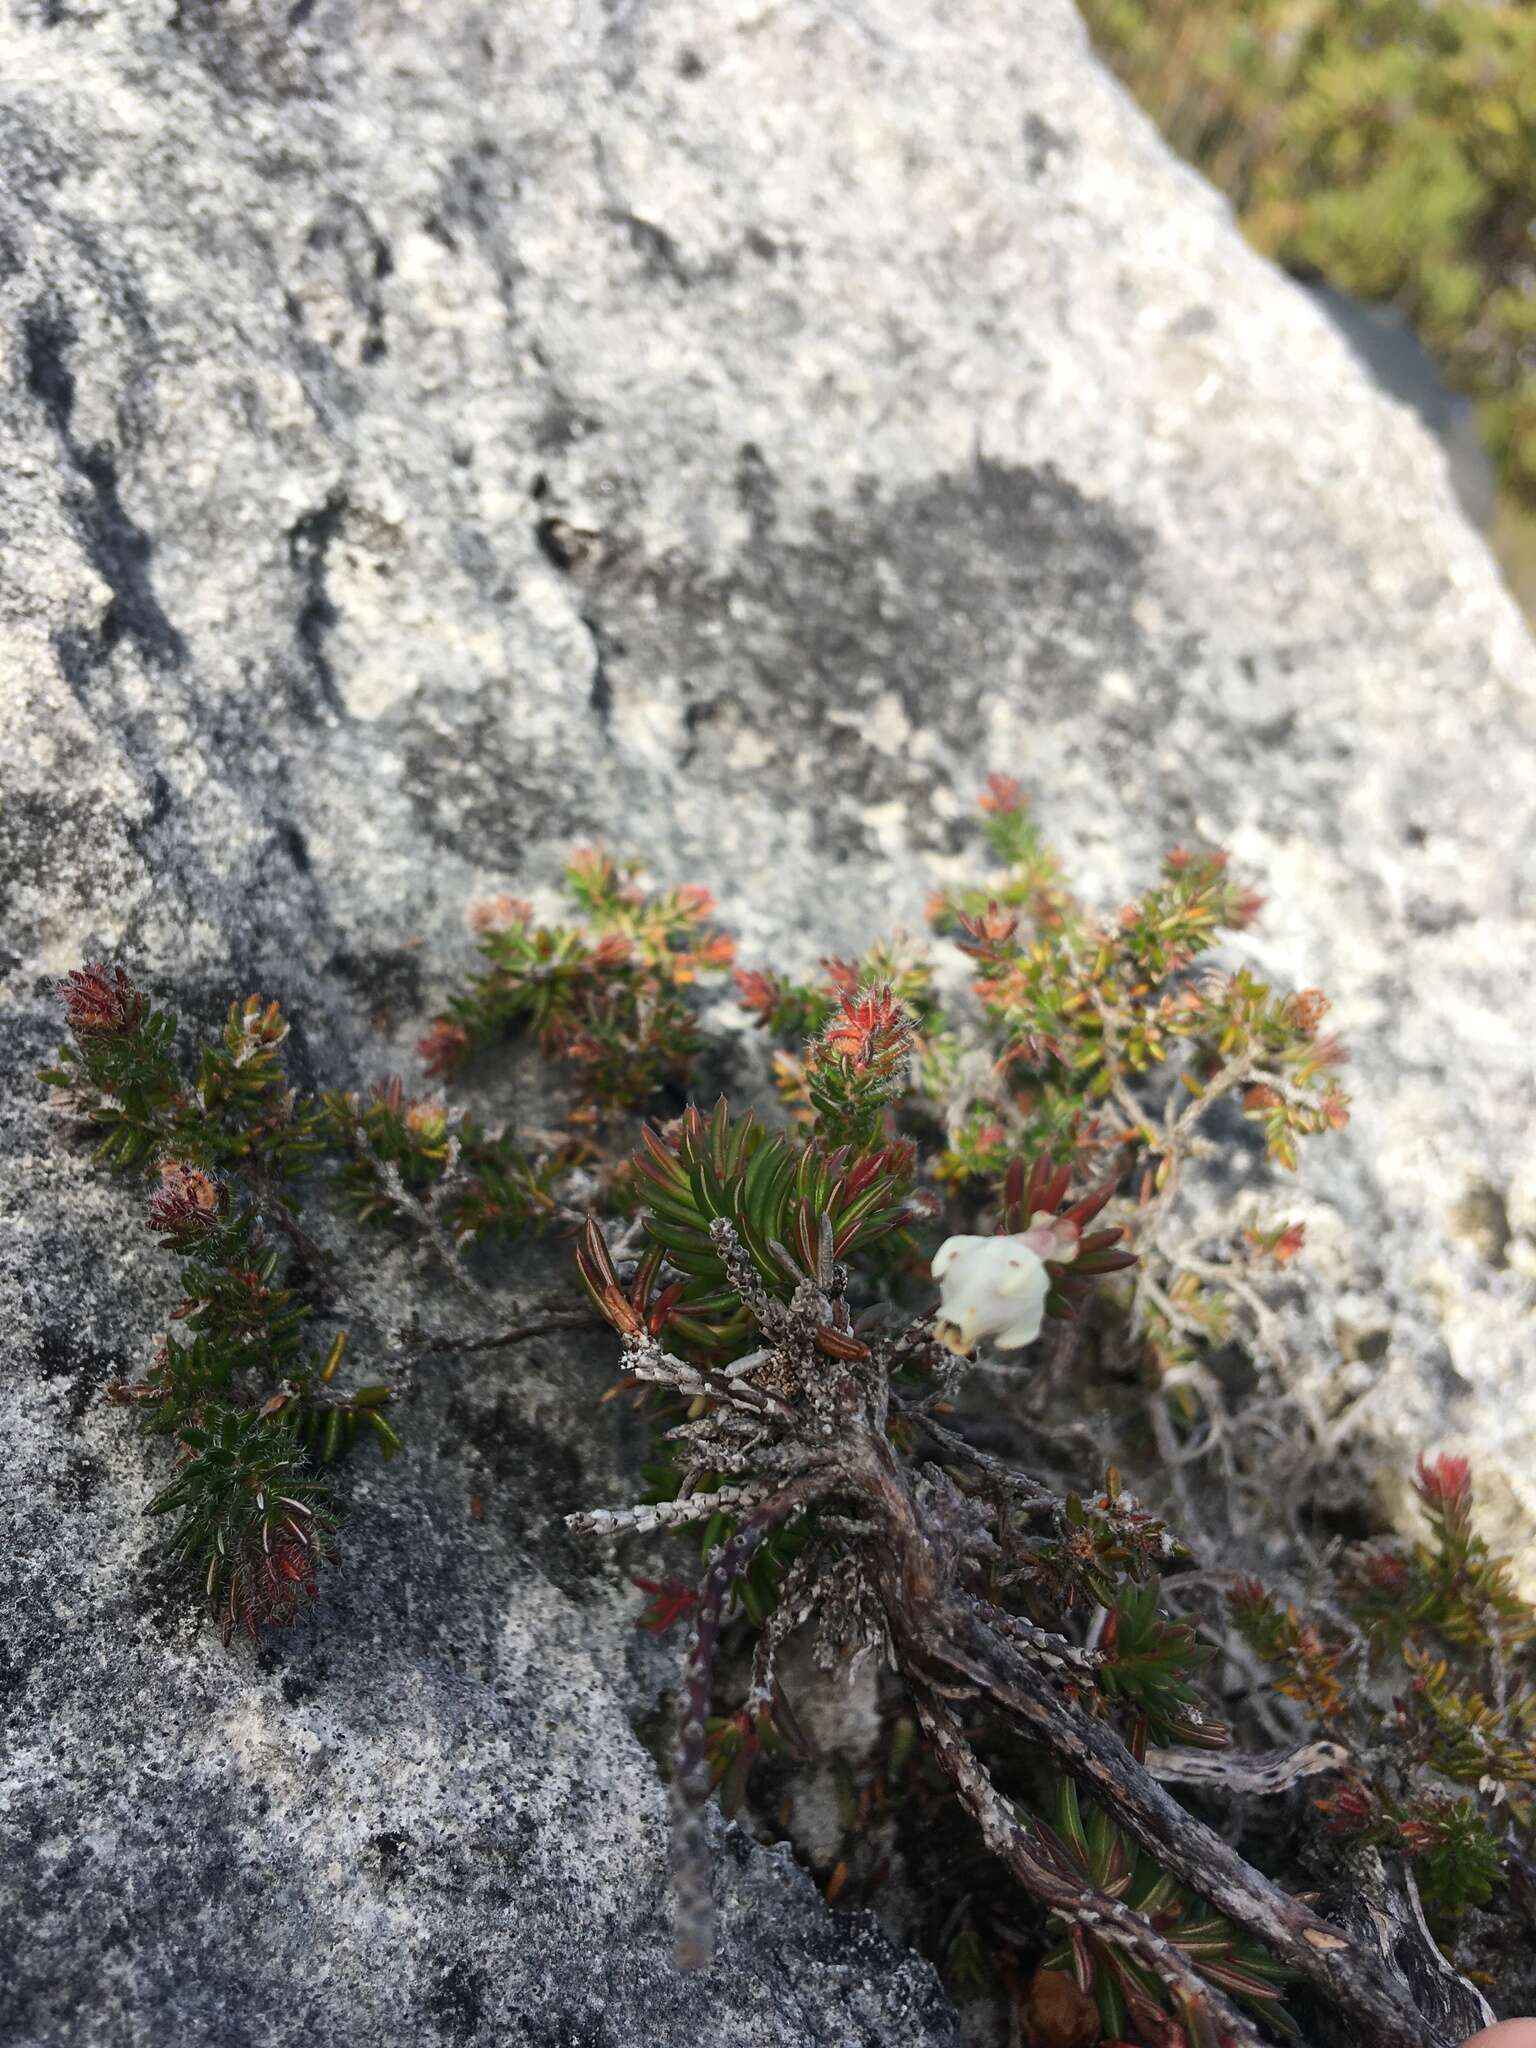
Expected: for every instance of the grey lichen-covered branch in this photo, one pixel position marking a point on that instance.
(907, 1545)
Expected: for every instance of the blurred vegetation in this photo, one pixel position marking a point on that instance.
(1388, 146)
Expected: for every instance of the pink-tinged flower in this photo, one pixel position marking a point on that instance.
(443, 1047)
(1001, 795)
(1056, 1239)
(1306, 1009)
(102, 1002)
(1446, 1482)
(188, 1204)
(695, 901)
(612, 950)
(499, 914)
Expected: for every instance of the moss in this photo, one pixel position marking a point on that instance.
(1381, 144)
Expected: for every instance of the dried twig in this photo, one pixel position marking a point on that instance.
(520, 1333)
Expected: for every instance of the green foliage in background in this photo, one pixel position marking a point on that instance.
(1388, 146)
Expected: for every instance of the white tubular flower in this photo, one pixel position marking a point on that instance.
(994, 1287)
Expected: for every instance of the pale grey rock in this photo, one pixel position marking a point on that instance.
(438, 432)
(1403, 367)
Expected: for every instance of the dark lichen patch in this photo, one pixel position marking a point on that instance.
(297, 1686)
(41, 832)
(513, 1453)
(309, 541)
(155, 1595)
(60, 1354)
(77, 1484)
(386, 985)
(49, 334)
(1480, 1219)
(458, 2000)
(1045, 146)
(456, 785)
(117, 547)
(392, 1854)
(993, 580)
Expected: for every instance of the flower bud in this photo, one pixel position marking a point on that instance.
(1445, 1482)
(102, 1002)
(427, 1121)
(187, 1205)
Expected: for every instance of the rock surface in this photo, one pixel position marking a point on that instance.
(437, 432)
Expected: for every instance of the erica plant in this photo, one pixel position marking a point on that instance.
(901, 1332)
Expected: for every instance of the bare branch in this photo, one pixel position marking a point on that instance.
(1363, 1988)
(695, 1931)
(520, 1333)
(1208, 2012)
(1234, 1772)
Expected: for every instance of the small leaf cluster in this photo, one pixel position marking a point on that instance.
(395, 1152)
(607, 999)
(1102, 1544)
(1154, 1664)
(778, 1189)
(1080, 1010)
(1435, 1691)
(250, 1401)
(250, 1406)
(121, 1069)
(823, 1027)
(252, 1522)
